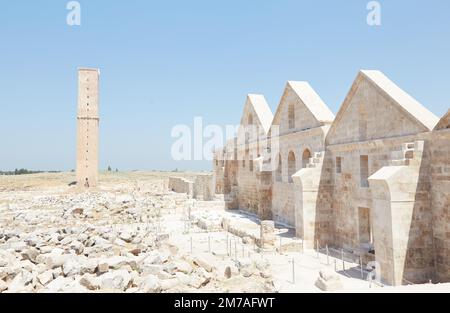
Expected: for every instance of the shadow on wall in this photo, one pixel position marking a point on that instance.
(324, 229)
(419, 261)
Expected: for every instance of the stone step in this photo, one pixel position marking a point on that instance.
(401, 162)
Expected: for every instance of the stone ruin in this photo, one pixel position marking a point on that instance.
(374, 180)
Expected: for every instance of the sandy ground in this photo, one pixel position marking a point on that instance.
(31, 202)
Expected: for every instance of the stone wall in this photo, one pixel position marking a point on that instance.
(376, 182)
(298, 144)
(200, 187)
(181, 185)
(440, 192)
(204, 187)
(283, 206)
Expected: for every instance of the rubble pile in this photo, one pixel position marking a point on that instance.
(107, 241)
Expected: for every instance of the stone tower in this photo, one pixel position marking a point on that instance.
(87, 127)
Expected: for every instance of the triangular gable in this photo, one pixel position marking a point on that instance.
(313, 111)
(444, 123)
(388, 110)
(257, 106)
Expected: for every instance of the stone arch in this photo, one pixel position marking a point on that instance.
(305, 158)
(292, 168)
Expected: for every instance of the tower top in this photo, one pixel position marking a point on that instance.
(82, 69)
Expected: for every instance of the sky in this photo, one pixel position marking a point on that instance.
(165, 62)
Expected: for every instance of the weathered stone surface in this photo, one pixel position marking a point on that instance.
(204, 262)
(3, 286)
(71, 267)
(45, 277)
(103, 267)
(385, 152)
(267, 235)
(118, 279)
(150, 284)
(328, 281)
(30, 254)
(90, 282)
(22, 282)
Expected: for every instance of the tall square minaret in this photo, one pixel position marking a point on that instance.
(87, 127)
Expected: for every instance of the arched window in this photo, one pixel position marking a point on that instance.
(279, 172)
(291, 116)
(291, 166)
(305, 158)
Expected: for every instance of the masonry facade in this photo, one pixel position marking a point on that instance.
(374, 181)
(87, 127)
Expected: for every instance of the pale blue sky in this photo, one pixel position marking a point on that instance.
(164, 62)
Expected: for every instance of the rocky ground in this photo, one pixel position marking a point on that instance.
(132, 235)
(121, 237)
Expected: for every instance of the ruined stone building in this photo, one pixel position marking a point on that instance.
(374, 180)
(303, 120)
(87, 127)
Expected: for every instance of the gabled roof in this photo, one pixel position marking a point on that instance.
(310, 99)
(262, 110)
(444, 122)
(404, 100)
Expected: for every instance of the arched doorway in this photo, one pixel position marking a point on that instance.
(305, 158)
(291, 166)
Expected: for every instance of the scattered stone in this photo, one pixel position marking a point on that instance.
(45, 277)
(203, 262)
(102, 267)
(119, 280)
(328, 281)
(150, 284)
(136, 251)
(55, 260)
(22, 282)
(77, 211)
(89, 266)
(3, 286)
(230, 271)
(267, 234)
(71, 267)
(90, 282)
(59, 284)
(183, 267)
(77, 246)
(168, 284)
(30, 254)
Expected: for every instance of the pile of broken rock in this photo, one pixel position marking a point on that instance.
(104, 242)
